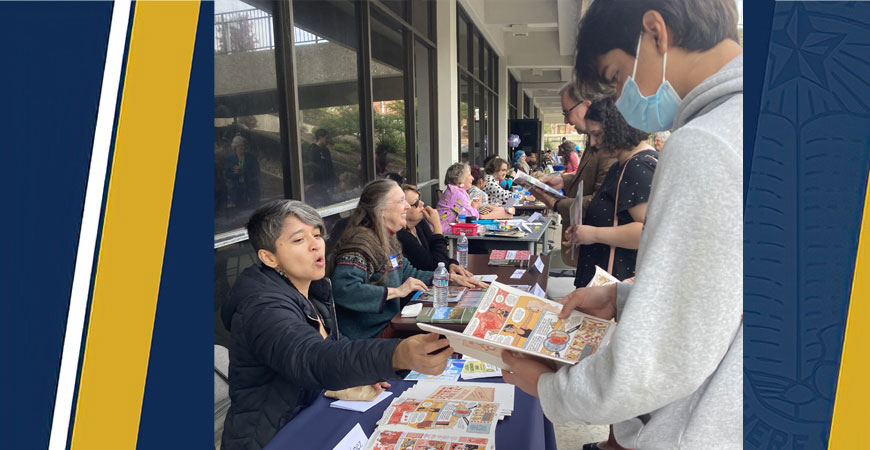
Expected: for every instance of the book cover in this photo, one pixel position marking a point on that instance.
(508, 318)
(445, 314)
(509, 257)
(528, 181)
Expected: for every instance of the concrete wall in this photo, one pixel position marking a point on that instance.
(448, 88)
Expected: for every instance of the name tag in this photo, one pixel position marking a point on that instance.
(394, 262)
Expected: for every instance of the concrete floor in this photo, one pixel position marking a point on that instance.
(573, 436)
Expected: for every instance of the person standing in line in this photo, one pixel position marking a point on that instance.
(672, 375)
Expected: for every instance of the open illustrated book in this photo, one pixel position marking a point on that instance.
(512, 319)
(526, 180)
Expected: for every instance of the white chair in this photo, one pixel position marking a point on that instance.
(221, 391)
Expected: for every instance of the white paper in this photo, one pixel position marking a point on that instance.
(356, 439)
(510, 202)
(538, 291)
(539, 264)
(486, 278)
(358, 405)
(518, 273)
(412, 310)
(535, 217)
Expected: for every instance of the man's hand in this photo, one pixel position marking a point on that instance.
(544, 197)
(554, 181)
(524, 372)
(581, 235)
(459, 270)
(598, 301)
(413, 353)
(467, 281)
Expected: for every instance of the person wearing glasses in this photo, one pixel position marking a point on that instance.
(370, 274)
(423, 241)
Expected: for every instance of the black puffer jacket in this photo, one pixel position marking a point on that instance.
(279, 362)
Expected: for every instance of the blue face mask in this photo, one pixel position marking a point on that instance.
(653, 113)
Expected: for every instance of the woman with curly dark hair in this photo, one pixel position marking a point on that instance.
(610, 233)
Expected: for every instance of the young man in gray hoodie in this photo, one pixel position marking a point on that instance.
(672, 376)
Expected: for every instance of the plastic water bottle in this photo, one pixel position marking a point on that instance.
(517, 191)
(462, 251)
(460, 218)
(439, 282)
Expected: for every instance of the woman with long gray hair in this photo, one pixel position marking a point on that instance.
(370, 275)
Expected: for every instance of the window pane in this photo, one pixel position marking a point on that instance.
(474, 61)
(512, 86)
(493, 119)
(388, 94)
(485, 64)
(327, 48)
(423, 111)
(484, 124)
(247, 152)
(493, 73)
(422, 10)
(463, 117)
(527, 107)
(462, 42)
(479, 131)
(399, 7)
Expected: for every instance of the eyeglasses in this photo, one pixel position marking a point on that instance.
(415, 204)
(565, 113)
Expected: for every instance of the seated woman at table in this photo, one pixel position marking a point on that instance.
(568, 151)
(609, 238)
(286, 347)
(422, 239)
(455, 201)
(370, 274)
(520, 162)
(498, 187)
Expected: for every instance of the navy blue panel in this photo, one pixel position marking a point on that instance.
(178, 392)
(52, 66)
(803, 214)
(755, 39)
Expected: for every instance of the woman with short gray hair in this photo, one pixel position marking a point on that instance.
(286, 347)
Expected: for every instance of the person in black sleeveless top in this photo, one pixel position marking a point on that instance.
(632, 177)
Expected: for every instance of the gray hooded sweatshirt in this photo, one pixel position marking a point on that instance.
(672, 376)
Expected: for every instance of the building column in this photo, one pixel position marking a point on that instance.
(448, 86)
(504, 96)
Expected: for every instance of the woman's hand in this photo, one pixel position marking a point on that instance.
(476, 203)
(530, 198)
(410, 285)
(581, 235)
(459, 270)
(381, 386)
(414, 353)
(431, 216)
(467, 281)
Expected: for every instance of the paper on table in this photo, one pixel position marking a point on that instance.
(359, 406)
(538, 291)
(354, 440)
(518, 273)
(535, 217)
(486, 278)
(412, 310)
(539, 264)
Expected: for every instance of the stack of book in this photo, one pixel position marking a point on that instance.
(515, 258)
(445, 416)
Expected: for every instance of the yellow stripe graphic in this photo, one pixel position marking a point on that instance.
(135, 225)
(853, 391)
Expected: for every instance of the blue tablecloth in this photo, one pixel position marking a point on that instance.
(321, 427)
